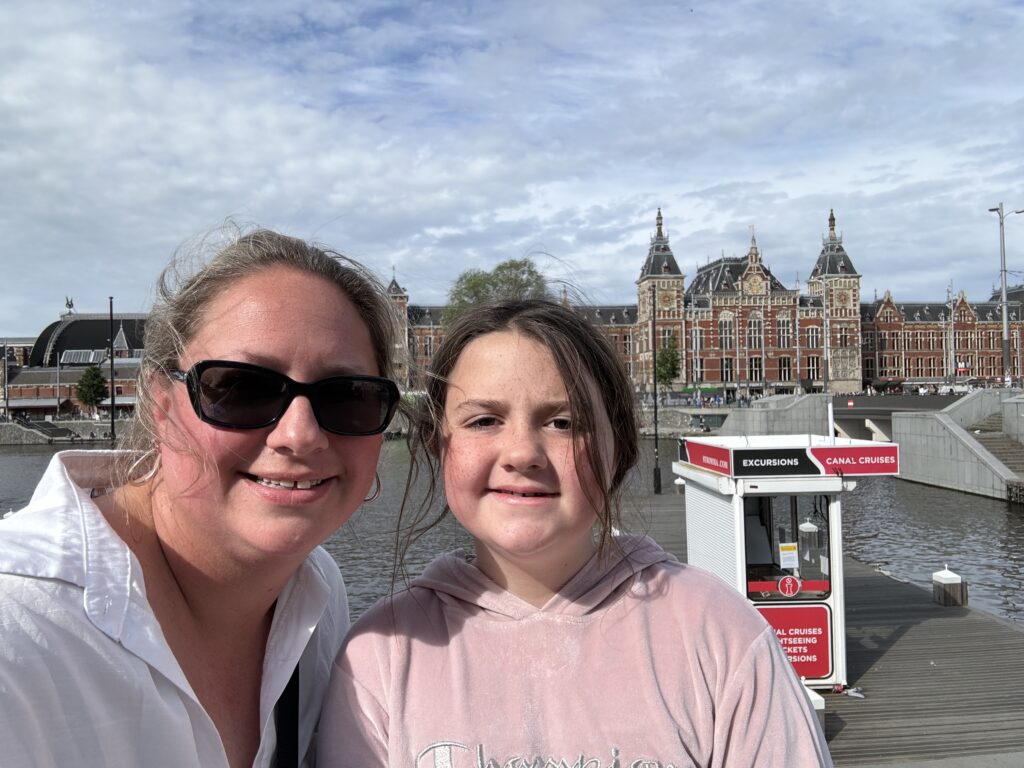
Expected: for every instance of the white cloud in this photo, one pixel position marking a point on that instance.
(436, 136)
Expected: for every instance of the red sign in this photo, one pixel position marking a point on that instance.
(711, 457)
(862, 458)
(789, 586)
(857, 460)
(805, 633)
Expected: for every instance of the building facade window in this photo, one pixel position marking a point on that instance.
(784, 372)
(813, 367)
(813, 337)
(785, 332)
(727, 372)
(756, 371)
(755, 332)
(725, 333)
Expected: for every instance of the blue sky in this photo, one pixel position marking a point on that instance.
(432, 137)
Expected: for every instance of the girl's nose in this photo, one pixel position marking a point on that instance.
(524, 450)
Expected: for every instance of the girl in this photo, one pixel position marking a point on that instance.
(556, 643)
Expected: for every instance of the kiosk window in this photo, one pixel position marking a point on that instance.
(787, 547)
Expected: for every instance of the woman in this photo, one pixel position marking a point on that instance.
(155, 601)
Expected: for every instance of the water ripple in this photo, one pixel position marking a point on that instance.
(911, 530)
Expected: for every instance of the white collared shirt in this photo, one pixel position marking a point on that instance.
(86, 676)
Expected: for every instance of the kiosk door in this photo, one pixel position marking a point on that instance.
(789, 575)
(787, 547)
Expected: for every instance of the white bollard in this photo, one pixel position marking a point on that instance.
(948, 588)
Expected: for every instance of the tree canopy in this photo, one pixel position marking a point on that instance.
(667, 369)
(512, 279)
(92, 387)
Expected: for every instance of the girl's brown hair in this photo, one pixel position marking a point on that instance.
(582, 353)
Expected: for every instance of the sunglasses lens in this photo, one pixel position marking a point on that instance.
(240, 397)
(353, 406)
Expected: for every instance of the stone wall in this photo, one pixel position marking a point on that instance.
(780, 415)
(15, 434)
(936, 450)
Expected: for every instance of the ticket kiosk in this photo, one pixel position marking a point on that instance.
(763, 513)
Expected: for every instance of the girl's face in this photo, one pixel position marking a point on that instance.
(276, 491)
(510, 475)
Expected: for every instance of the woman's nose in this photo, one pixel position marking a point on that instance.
(297, 431)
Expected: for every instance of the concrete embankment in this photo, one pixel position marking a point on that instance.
(940, 448)
(86, 431)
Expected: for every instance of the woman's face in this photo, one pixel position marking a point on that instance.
(278, 490)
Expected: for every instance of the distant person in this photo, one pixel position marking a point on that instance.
(557, 642)
(167, 605)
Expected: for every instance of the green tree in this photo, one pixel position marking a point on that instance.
(513, 279)
(667, 369)
(92, 387)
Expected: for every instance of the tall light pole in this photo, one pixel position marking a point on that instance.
(654, 375)
(113, 388)
(1002, 297)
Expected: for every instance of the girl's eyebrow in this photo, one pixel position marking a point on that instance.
(478, 405)
(497, 405)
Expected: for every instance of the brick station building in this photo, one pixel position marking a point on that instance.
(738, 331)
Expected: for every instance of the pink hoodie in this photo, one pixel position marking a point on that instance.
(638, 661)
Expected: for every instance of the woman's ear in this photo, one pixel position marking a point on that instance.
(161, 401)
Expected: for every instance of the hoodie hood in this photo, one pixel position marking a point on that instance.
(455, 579)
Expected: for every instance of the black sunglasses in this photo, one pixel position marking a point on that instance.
(246, 396)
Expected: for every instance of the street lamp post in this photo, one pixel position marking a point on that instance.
(1002, 296)
(654, 376)
(113, 389)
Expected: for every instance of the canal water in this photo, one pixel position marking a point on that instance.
(906, 530)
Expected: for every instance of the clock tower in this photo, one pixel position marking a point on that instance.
(835, 283)
(660, 289)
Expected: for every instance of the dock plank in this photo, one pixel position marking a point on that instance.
(939, 683)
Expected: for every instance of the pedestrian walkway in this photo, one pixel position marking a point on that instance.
(942, 686)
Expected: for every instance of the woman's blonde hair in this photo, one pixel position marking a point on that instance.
(184, 293)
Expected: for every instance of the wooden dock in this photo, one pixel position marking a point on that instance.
(939, 683)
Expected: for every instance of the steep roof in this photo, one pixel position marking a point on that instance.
(660, 259)
(394, 289)
(607, 314)
(723, 275)
(424, 316)
(934, 312)
(833, 259)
